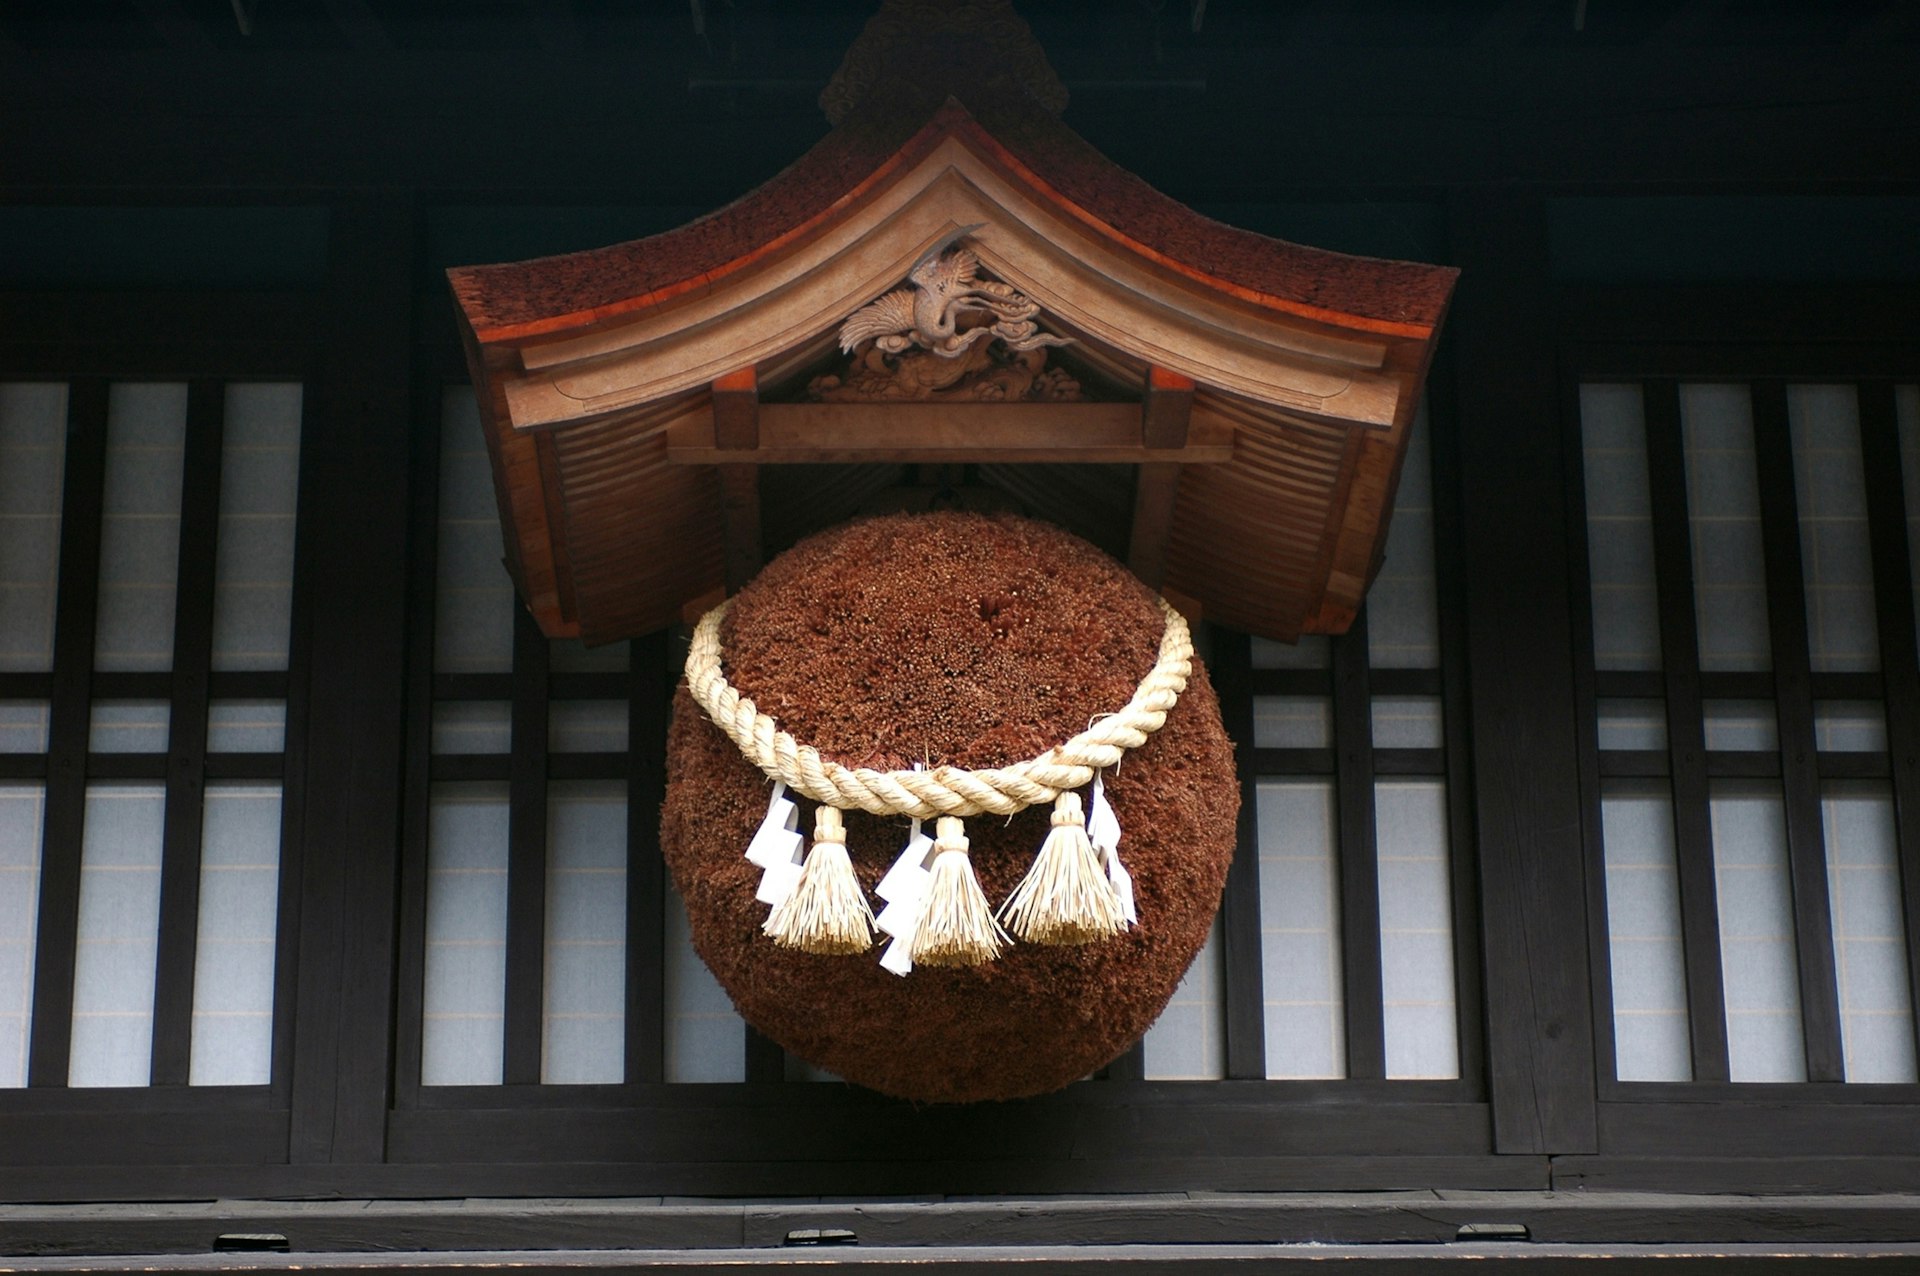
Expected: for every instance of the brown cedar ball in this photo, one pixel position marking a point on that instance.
(980, 641)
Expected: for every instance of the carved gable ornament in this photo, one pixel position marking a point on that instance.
(950, 276)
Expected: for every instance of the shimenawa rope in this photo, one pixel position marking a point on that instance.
(944, 790)
(1068, 897)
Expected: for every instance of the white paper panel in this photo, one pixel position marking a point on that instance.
(1300, 929)
(22, 812)
(118, 935)
(705, 1039)
(1651, 1038)
(587, 726)
(1626, 613)
(1869, 938)
(1292, 722)
(247, 726)
(586, 943)
(1741, 726)
(140, 525)
(1403, 616)
(1836, 557)
(1850, 726)
(1189, 1040)
(1632, 724)
(128, 726)
(466, 962)
(1757, 953)
(1723, 508)
(1312, 651)
(33, 441)
(1408, 722)
(233, 962)
(23, 726)
(472, 726)
(259, 492)
(473, 601)
(1416, 928)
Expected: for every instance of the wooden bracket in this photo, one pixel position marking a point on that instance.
(736, 411)
(1166, 409)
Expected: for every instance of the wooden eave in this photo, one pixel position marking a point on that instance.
(597, 371)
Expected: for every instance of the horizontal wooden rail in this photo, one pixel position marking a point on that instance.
(791, 433)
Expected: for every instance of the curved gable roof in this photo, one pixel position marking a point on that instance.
(1309, 361)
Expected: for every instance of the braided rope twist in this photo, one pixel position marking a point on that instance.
(944, 790)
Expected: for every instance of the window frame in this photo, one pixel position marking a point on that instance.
(1681, 1135)
(207, 340)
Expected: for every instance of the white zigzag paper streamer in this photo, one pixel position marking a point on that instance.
(778, 848)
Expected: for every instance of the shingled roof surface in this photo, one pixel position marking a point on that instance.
(553, 294)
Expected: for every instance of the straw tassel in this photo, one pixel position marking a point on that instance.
(828, 912)
(1066, 897)
(957, 927)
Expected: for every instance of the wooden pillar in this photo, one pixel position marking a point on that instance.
(1525, 759)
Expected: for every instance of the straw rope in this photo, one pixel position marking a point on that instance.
(944, 790)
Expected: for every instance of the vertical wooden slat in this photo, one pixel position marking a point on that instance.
(1587, 713)
(649, 696)
(526, 856)
(354, 508)
(1362, 989)
(1686, 732)
(1538, 995)
(1893, 595)
(187, 737)
(417, 802)
(293, 787)
(1231, 665)
(1449, 582)
(1799, 774)
(76, 604)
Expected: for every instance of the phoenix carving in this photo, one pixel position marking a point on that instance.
(947, 309)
